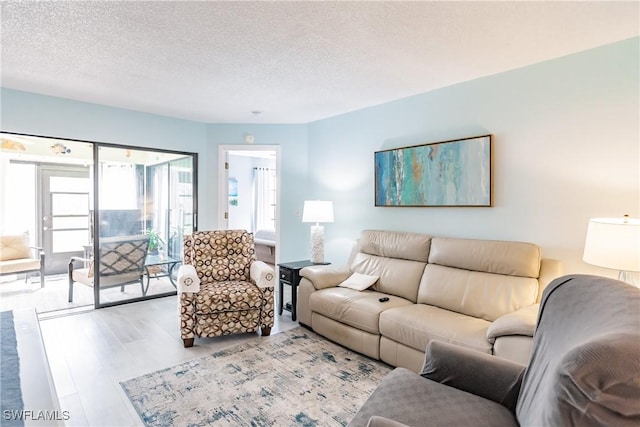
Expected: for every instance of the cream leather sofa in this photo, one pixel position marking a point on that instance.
(479, 294)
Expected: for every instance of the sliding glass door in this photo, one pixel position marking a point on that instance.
(145, 206)
(111, 217)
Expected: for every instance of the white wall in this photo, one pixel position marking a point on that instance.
(241, 168)
(566, 148)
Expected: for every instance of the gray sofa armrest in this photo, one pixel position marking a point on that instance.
(478, 373)
(325, 276)
(519, 322)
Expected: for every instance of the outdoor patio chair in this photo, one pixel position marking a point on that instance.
(235, 292)
(16, 256)
(121, 263)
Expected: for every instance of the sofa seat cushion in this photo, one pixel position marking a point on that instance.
(228, 296)
(357, 309)
(417, 324)
(19, 265)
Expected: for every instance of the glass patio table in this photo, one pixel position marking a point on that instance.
(160, 266)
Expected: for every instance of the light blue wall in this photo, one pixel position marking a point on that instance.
(25, 112)
(29, 113)
(34, 114)
(566, 148)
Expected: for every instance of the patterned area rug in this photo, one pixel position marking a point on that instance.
(10, 391)
(294, 378)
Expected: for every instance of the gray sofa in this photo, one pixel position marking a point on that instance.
(584, 370)
(479, 294)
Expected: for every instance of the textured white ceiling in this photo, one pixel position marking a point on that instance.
(296, 62)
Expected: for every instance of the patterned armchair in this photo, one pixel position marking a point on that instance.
(236, 290)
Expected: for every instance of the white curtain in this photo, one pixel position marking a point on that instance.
(118, 186)
(262, 218)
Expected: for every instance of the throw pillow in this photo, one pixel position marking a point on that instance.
(359, 282)
(14, 247)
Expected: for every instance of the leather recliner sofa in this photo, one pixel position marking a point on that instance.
(478, 294)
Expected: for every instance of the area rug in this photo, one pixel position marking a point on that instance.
(10, 390)
(294, 378)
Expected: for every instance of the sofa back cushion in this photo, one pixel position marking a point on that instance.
(480, 278)
(398, 258)
(395, 244)
(399, 277)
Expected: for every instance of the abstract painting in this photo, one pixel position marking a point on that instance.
(449, 173)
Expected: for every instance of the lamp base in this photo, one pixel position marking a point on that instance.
(317, 244)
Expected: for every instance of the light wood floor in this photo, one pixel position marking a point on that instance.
(90, 353)
(18, 294)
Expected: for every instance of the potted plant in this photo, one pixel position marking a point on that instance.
(155, 241)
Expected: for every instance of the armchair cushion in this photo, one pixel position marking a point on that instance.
(408, 398)
(219, 256)
(232, 295)
(19, 265)
(481, 374)
(14, 247)
(86, 277)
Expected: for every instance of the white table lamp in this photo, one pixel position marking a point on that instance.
(317, 211)
(614, 243)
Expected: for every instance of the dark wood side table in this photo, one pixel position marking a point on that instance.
(289, 274)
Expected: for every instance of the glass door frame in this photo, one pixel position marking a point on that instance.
(46, 218)
(96, 208)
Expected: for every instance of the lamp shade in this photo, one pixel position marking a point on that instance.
(613, 243)
(317, 211)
